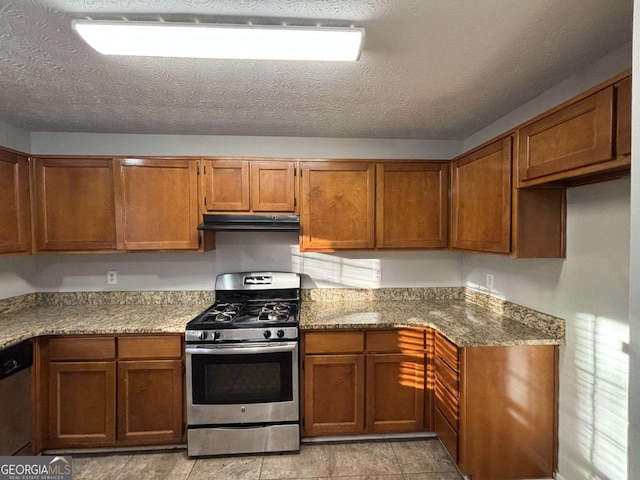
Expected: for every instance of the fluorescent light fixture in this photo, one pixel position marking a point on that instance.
(198, 40)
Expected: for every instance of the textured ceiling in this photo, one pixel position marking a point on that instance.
(438, 69)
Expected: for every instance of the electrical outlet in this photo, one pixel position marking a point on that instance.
(112, 277)
(488, 282)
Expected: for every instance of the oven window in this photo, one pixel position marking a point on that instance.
(250, 378)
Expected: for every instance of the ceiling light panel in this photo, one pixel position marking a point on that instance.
(197, 40)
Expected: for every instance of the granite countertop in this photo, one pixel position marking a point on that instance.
(37, 321)
(466, 318)
(464, 323)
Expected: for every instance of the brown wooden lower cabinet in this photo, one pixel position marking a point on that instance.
(149, 401)
(334, 394)
(367, 381)
(82, 404)
(494, 408)
(395, 392)
(496, 413)
(96, 397)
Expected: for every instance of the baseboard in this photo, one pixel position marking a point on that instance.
(369, 437)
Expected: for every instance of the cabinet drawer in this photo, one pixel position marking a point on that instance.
(447, 351)
(334, 342)
(448, 377)
(447, 404)
(395, 340)
(448, 435)
(81, 348)
(150, 346)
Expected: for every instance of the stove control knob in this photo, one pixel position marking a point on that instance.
(216, 335)
(280, 333)
(202, 335)
(267, 334)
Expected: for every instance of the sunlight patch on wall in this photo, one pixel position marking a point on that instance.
(336, 270)
(600, 414)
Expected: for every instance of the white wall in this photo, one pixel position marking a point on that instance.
(242, 252)
(590, 289)
(607, 67)
(634, 298)
(16, 275)
(211, 145)
(13, 137)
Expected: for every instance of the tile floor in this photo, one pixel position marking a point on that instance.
(396, 460)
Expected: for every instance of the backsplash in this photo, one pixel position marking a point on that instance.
(381, 294)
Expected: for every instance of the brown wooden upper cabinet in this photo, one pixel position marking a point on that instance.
(74, 204)
(157, 204)
(589, 136)
(481, 199)
(623, 125)
(15, 215)
(240, 185)
(338, 206)
(273, 186)
(412, 205)
(489, 215)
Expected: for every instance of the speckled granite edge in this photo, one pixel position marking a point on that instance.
(381, 294)
(527, 316)
(20, 302)
(168, 297)
(66, 299)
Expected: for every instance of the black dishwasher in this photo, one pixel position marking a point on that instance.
(15, 399)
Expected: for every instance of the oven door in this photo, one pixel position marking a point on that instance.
(251, 383)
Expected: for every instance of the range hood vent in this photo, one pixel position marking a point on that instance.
(250, 223)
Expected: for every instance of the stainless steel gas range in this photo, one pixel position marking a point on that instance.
(242, 367)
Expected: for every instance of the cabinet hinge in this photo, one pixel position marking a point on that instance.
(199, 245)
(205, 201)
(295, 171)
(197, 169)
(295, 202)
(205, 169)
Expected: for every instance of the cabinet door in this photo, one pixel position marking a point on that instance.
(334, 394)
(15, 215)
(75, 207)
(575, 136)
(395, 392)
(149, 401)
(481, 197)
(508, 410)
(225, 186)
(157, 204)
(623, 131)
(411, 205)
(338, 201)
(82, 404)
(272, 186)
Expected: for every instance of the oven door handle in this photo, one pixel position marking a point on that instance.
(245, 349)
